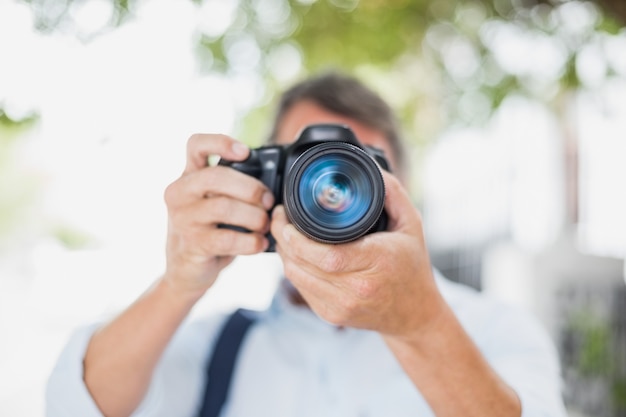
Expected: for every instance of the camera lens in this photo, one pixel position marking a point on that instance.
(329, 191)
(334, 192)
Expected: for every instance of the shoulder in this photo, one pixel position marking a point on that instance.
(492, 323)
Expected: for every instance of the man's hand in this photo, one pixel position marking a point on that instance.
(201, 199)
(384, 282)
(380, 282)
(122, 355)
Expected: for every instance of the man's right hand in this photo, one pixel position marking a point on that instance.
(122, 355)
(203, 198)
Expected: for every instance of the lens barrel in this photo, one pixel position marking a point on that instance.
(334, 192)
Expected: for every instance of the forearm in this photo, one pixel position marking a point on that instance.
(451, 373)
(122, 355)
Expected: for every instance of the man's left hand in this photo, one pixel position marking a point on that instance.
(382, 281)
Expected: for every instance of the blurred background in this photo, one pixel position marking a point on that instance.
(515, 111)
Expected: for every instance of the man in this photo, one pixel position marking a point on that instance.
(365, 328)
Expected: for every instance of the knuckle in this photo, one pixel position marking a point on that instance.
(219, 143)
(193, 141)
(176, 218)
(170, 193)
(366, 289)
(332, 261)
(198, 141)
(208, 177)
(208, 174)
(220, 205)
(221, 137)
(230, 242)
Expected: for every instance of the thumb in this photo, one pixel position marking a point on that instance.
(398, 205)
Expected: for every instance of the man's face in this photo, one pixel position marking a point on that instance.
(305, 113)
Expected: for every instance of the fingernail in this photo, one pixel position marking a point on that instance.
(268, 200)
(240, 149)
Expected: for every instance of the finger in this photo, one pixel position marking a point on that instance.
(201, 145)
(222, 210)
(218, 180)
(398, 204)
(314, 290)
(324, 260)
(332, 303)
(226, 242)
(293, 242)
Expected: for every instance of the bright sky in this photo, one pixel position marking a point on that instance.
(123, 104)
(115, 116)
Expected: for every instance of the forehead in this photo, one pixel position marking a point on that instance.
(305, 113)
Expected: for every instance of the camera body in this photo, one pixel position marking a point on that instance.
(330, 184)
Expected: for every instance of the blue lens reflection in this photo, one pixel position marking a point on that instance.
(335, 191)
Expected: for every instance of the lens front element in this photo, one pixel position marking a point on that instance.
(334, 192)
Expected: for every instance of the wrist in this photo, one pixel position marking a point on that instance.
(178, 293)
(436, 320)
(442, 358)
(190, 280)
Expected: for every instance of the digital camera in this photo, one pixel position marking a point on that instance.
(330, 184)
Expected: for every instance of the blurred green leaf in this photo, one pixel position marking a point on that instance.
(594, 336)
(10, 127)
(353, 34)
(71, 237)
(619, 394)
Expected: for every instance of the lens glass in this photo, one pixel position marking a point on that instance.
(335, 191)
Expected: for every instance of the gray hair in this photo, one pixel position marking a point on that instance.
(346, 96)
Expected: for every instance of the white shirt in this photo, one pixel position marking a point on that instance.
(294, 364)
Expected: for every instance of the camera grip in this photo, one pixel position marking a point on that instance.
(250, 166)
(262, 164)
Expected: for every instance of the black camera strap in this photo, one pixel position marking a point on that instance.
(222, 362)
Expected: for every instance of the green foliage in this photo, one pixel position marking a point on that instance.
(11, 128)
(592, 338)
(619, 394)
(455, 40)
(593, 353)
(440, 64)
(373, 33)
(17, 189)
(53, 15)
(70, 237)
